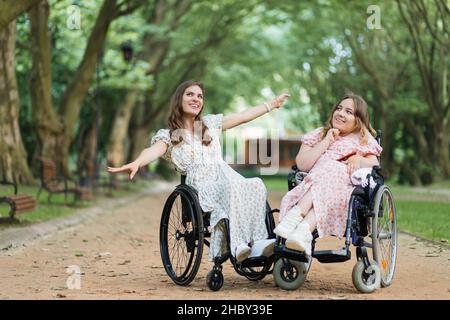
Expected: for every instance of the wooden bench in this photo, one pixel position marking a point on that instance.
(51, 183)
(18, 203)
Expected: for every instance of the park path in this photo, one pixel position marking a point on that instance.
(117, 253)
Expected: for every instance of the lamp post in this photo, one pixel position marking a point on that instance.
(127, 51)
(96, 173)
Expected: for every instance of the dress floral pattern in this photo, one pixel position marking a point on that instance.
(221, 190)
(329, 182)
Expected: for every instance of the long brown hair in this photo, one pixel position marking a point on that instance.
(361, 116)
(176, 113)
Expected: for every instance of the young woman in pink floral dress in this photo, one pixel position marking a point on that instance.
(330, 155)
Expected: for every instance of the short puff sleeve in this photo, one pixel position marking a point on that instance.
(311, 138)
(163, 135)
(371, 148)
(214, 123)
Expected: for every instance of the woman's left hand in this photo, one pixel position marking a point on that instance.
(353, 163)
(279, 101)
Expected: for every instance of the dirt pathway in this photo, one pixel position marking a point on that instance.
(117, 254)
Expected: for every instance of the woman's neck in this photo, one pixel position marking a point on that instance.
(188, 123)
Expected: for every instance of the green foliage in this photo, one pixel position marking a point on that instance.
(245, 53)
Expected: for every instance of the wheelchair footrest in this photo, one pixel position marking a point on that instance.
(256, 262)
(330, 256)
(284, 252)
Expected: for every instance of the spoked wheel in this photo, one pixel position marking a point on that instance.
(289, 274)
(384, 234)
(181, 235)
(366, 280)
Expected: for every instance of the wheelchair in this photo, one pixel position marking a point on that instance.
(371, 223)
(183, 233)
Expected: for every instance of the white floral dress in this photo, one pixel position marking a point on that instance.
(221, 190)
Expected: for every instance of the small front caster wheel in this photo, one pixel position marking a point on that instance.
(366, 280)
(214, 279)
(289, 274)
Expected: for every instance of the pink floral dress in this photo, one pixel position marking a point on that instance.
(329, 182)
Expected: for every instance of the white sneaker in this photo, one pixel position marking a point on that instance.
(242, 252)
(300, 239)
(290, 221)
(262, 248)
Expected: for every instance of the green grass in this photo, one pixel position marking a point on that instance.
(423, 212)
(430, 220)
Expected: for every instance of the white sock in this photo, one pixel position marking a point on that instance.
(306, 224)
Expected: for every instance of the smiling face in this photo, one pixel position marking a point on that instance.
(344, 116)
(192, 100)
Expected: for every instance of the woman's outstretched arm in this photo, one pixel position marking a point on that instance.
(235, 119)
(146, 157)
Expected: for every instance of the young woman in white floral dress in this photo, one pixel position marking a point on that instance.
(192, 144)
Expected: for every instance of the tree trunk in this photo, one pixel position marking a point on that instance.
(410, 174)
(384, 124)
(86, 162)
(49, 128)
(441, 147)
(116, 154)
(77, 90)
(139, 141)
(13, 157)
(10, 10)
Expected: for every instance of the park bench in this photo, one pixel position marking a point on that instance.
(18, 203)
(52, 183)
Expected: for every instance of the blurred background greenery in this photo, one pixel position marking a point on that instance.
(74, 83)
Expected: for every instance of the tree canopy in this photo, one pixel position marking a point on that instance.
(74, 85)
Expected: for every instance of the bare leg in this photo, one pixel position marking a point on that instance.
(311, 219)
(305, 204)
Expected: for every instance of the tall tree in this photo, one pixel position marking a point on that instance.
(427, 23)
(56, 138)
(187, 59)
(10, 10)
(13, 165)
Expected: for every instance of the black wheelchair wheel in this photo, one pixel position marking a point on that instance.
(181, 235)
(214, 280)
(384, 234)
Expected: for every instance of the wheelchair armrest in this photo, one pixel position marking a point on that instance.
(295, 177)
(377, 174)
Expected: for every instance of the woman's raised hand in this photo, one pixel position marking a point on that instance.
(332, 135)
(279, 101)
(131, 168)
